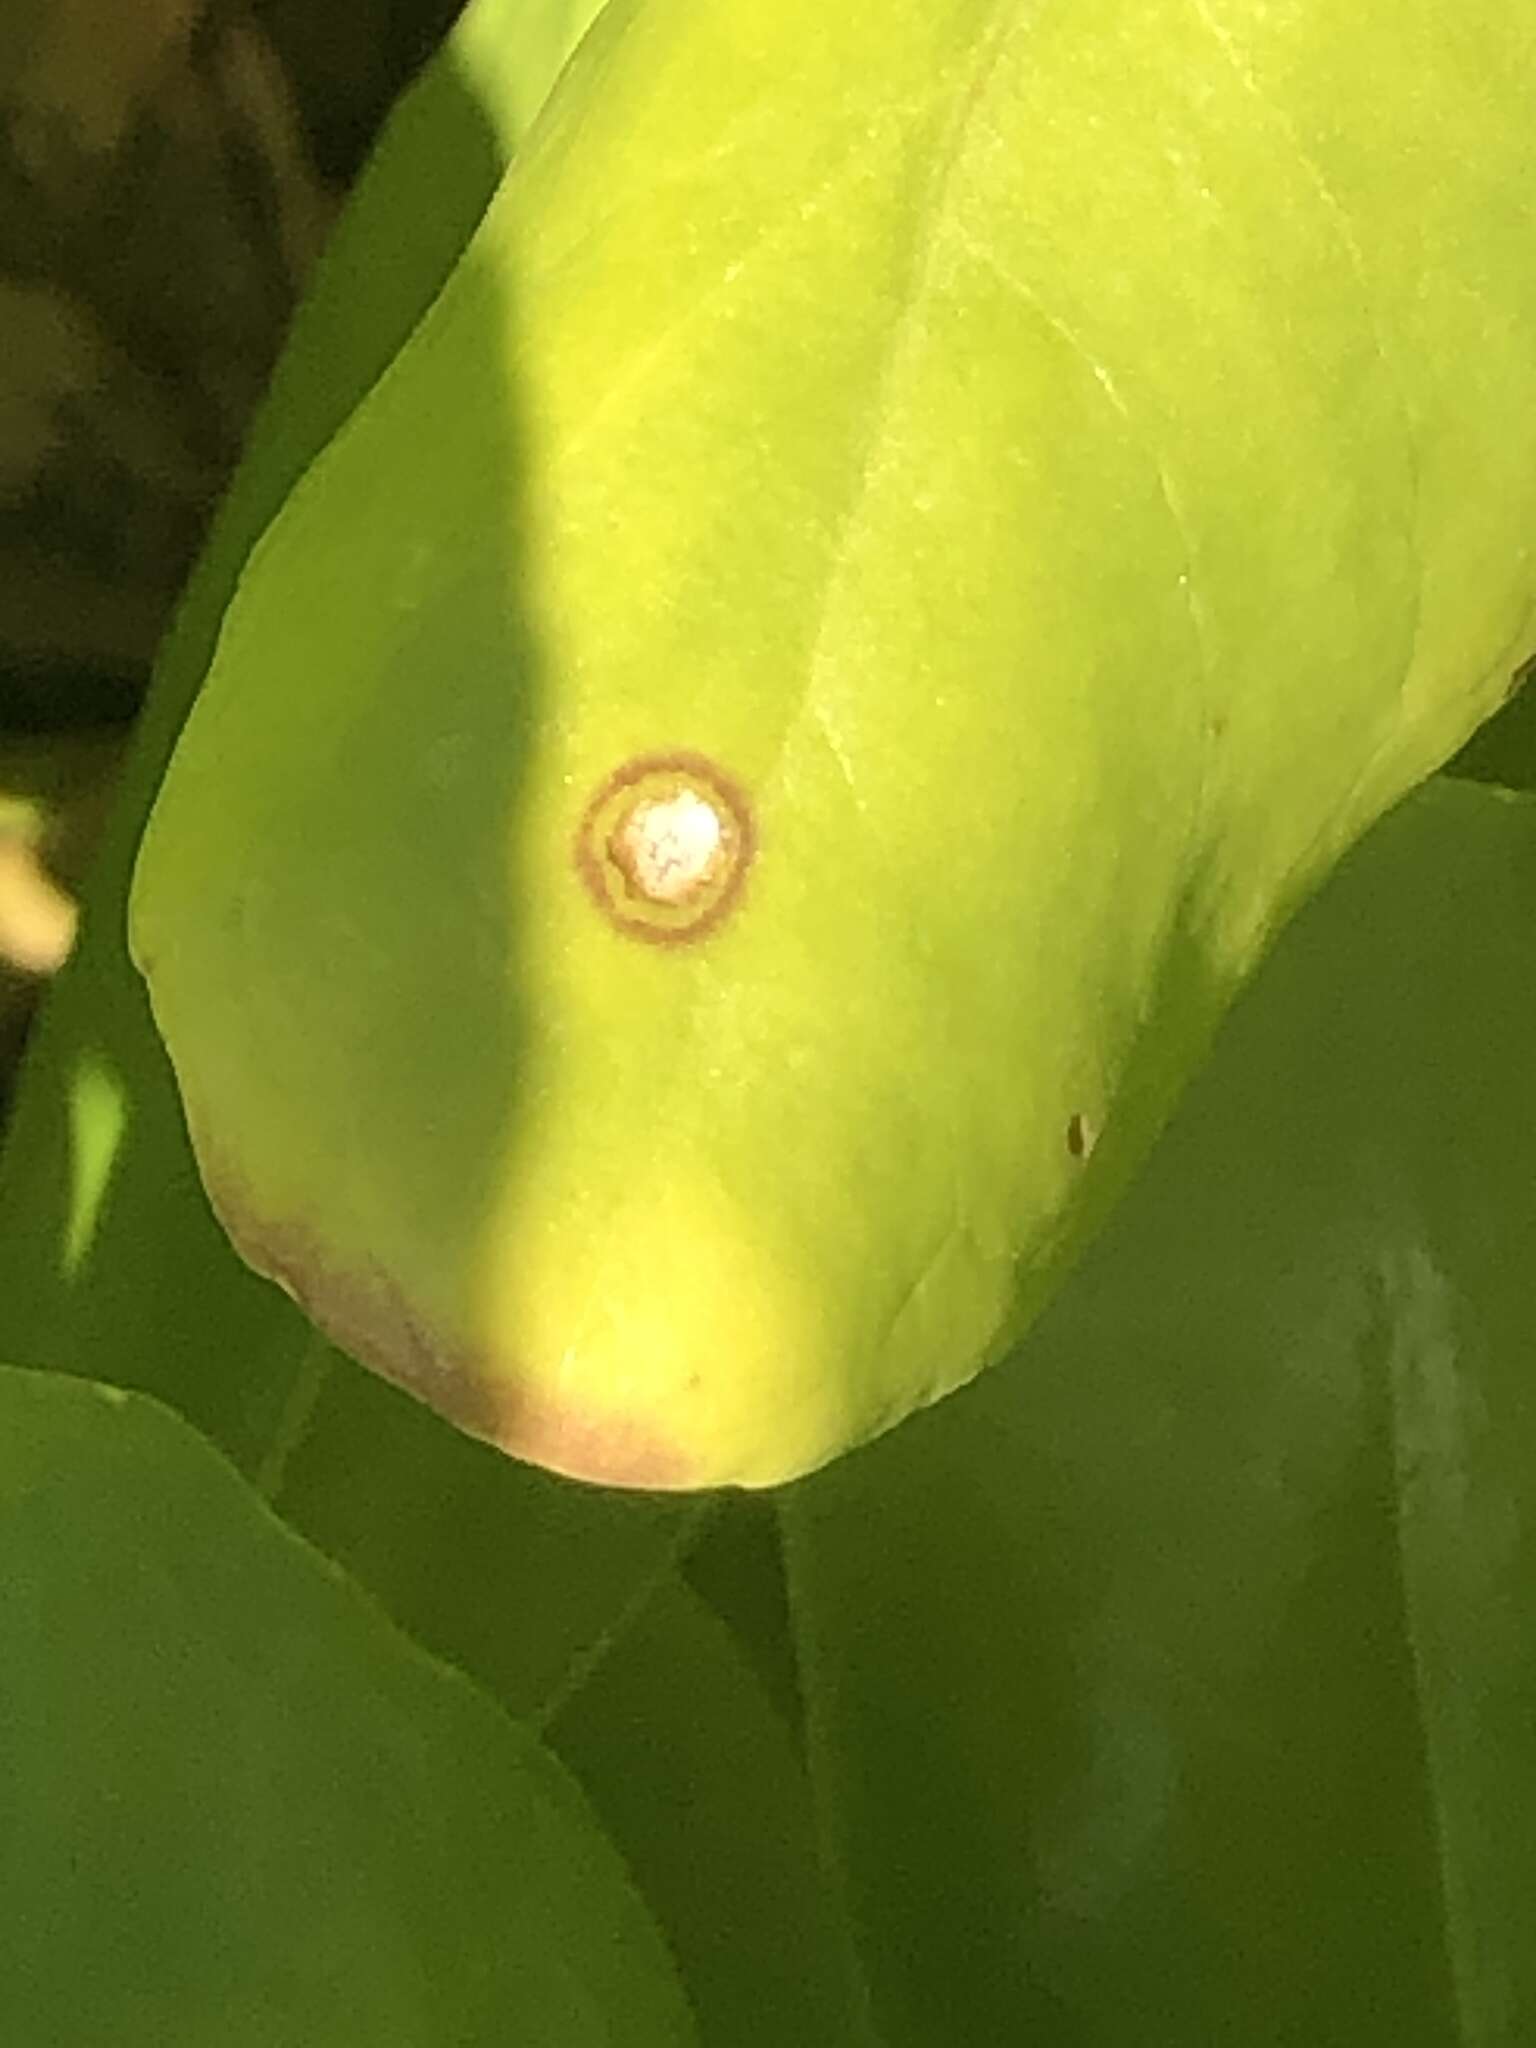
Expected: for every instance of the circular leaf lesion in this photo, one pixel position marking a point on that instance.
(664, 846)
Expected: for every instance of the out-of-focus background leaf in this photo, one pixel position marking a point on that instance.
(1176, 1682)
(237, 1807)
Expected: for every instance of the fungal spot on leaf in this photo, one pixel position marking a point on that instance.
(664, 845)
(668, 846)
(1080, 1135)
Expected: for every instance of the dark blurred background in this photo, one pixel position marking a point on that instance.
(168, 171)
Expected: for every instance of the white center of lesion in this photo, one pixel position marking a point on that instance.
(669, 845)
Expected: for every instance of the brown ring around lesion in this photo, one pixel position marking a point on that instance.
(664, 846)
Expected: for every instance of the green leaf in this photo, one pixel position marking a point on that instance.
(1177, 1683)
(569, 1603)
(237, 1807)
(697, 1776)
(518, 1578)
(733, 795)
